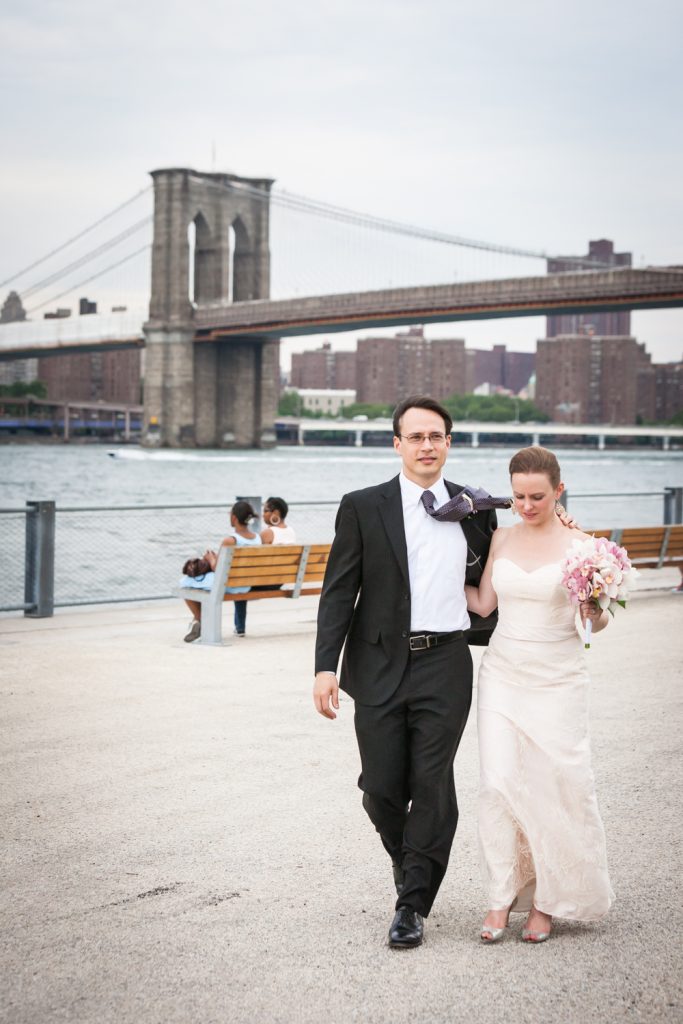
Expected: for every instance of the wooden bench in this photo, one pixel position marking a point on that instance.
(649, 547)
(298, 568)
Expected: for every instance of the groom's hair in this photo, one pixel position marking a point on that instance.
(421, 402)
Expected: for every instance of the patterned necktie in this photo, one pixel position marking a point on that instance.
(470, 501)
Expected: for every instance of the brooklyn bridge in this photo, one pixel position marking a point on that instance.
(212, 329)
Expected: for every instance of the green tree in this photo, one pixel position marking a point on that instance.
(291, 404)
(493, 409)
(21, 388)
(371, 410)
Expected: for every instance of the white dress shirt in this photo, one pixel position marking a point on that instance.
(437, 557)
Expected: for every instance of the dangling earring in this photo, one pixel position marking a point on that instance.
(274, 520)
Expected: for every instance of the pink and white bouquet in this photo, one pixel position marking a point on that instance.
(598, 570)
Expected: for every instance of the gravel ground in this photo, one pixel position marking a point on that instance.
(184, 840)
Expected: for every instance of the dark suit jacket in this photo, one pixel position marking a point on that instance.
(365, 598)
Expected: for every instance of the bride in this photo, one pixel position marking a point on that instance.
(541, 839)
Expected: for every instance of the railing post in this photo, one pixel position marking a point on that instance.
(255, 500)
(39, 572)
(673, 505)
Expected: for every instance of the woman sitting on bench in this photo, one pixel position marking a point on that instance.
(241, 515)
(276, 530)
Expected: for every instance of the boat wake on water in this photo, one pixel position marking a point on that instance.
(138, 455)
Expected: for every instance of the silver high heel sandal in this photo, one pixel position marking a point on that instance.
(530, 936)
(490, 935)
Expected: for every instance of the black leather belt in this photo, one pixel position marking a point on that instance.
(424, 641)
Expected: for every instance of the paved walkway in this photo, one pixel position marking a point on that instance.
(184, 841)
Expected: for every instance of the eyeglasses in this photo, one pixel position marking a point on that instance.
(434, 438)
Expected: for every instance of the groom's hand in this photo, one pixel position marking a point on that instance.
(565, 518)
(326, 694)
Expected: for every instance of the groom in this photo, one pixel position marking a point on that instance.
(394, 595)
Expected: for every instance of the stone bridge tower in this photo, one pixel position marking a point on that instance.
(221, 393)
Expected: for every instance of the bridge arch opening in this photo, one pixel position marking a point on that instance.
(204, 267)
(230, 290)
(191, 246)
(240, 261)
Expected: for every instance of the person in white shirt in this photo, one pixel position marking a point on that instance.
(394, 599)
(276, 530)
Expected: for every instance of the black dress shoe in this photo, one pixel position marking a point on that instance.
(406, 929)
(399, 876)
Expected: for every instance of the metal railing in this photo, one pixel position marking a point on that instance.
(672, 511)
(52, 557)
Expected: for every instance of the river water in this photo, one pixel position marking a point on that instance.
(88, 475)
(138, 554)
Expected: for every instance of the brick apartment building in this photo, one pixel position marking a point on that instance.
(499, 368)
(323, 369)
(386, 369)
(668, 390)
(583, 378)
(390, 369)
(600, 254)
(93, 376)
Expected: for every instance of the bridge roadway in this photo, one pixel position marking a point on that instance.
(622, 288)
(535, 431)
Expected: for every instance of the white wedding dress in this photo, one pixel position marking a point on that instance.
(541, 838)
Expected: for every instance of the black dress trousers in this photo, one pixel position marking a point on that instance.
(407, 746)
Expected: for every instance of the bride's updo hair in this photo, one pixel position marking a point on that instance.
(536, 460)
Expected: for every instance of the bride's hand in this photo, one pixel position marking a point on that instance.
(591, 610)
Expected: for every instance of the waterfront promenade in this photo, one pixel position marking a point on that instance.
(184, 841)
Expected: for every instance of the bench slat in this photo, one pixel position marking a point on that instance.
(263, 574)
(252, 559)
(270, 594)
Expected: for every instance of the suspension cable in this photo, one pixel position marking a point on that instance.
(75, 238)
(303, 204)
(93, 277)
(63, 271)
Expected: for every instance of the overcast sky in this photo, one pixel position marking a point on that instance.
(523, 123)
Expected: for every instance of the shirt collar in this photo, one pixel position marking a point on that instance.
(412, 492)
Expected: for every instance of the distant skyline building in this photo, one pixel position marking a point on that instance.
(585, 378)
(668, 390)
(386, 369)
(327, 401)
(390, 369)
(600, 253)
(12, 309)
(93, 376)
(322, 368)
(511, 371)
(16, 371)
